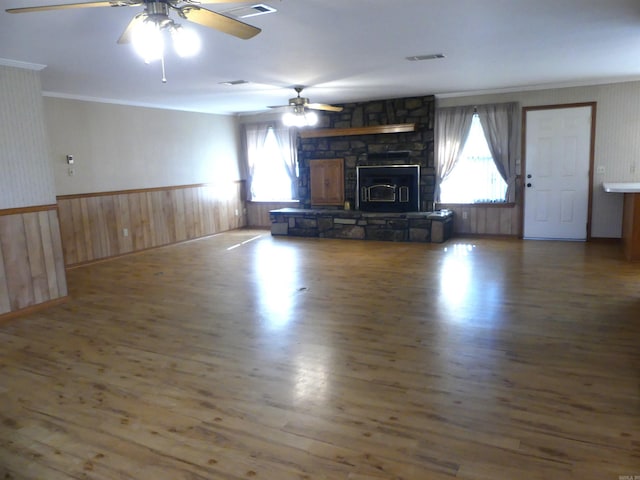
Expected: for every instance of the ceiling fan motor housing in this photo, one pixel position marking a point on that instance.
(298, 101)
(157, 8)
(158, 13)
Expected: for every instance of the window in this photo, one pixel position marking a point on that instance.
(477, 149)
(272, 165)
(474, 178)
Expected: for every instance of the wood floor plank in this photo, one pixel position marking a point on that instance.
(244, 355)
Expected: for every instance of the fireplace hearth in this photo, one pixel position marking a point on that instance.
(389, 188)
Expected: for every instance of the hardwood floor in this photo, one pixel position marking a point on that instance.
(243, 356)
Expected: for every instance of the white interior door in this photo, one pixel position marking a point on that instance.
(557, 160)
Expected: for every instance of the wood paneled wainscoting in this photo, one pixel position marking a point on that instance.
(258, 212)
(485, 219)
(107, 224)
(31, 263)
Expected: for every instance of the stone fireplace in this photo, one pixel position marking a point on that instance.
(414, 148)
(389, 175)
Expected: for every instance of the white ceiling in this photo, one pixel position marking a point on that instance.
(344, 50)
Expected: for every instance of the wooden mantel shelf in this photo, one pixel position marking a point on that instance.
(342, 132)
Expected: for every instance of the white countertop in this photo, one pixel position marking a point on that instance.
(625, 187)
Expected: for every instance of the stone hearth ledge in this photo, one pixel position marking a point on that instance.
(360, 225)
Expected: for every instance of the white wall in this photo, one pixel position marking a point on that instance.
(26, 178)
(117, 147)
(617, 143)
(270, 116)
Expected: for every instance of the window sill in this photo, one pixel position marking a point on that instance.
(484, 205)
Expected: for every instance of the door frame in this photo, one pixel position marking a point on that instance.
(523, 156)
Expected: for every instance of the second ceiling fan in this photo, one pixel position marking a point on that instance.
(297, 114)
(303, 102)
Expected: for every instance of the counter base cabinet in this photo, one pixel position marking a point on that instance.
(327, 181)
(631, 226)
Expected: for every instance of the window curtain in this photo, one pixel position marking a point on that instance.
(501, 126)
(452, 129)
(287, 142)
(254, 136)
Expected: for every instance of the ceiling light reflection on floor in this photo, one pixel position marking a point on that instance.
(277, 283)
(461, 249)
(465, 298)
(455, 277)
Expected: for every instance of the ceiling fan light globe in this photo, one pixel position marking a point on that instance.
(290, 119)
(311, 118)
(186, 42)
(299, 118)
(287, 119)
(147, 41)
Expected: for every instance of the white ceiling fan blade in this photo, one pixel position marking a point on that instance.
(135, 21)
(219, 22)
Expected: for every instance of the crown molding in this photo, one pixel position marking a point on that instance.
(128, 103)
(6, 62)
(539, 87)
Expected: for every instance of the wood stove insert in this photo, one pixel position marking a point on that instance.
(388, 188)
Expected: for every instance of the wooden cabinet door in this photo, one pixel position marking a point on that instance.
(327, 181)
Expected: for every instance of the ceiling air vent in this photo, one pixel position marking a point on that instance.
(234, 82)
(433, 56)
(250, 11)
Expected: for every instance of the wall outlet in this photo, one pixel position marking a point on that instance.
(71, 171)
(465, 215)
(125, 232)
(600, 169)
(236, 212)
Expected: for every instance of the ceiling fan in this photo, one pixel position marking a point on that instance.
(302, 102)
(297, 114)
(157, 12)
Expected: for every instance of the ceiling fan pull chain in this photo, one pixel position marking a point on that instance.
(164, 76)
